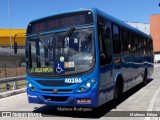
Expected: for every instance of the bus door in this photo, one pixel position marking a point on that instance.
(105, 54)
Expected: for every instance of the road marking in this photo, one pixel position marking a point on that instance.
(150, 107)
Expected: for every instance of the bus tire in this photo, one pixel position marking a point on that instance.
(118, 92)
(145, 77)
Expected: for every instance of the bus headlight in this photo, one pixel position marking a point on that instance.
(31, 87)
(85, 87)
(88, 84)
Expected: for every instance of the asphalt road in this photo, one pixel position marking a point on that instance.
(138, 99)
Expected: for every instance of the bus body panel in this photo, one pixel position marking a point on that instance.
(127, 70)
(106, 84)
(132, 67)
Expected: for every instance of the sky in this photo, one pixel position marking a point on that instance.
(24, 11)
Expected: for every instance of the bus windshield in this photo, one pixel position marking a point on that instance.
(61, 53)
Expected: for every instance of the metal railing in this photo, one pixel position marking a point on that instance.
(12, 83)
(11, 51)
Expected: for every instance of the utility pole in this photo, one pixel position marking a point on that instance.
(9, 15)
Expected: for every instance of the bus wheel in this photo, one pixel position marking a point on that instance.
(118, 92)
(145, 78)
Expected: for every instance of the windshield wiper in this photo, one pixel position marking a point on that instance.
(69, 33)
(42, 41)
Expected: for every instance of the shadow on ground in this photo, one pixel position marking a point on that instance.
(52, 111)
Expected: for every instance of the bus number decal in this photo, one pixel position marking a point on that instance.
(73, 80)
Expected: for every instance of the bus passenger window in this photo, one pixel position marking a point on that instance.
(105, 42)
(134, 41)
(148, 47)
(116, 40)
(125, 42)
(33, 53)
(151, 46)
(144, 46)
(140, 49)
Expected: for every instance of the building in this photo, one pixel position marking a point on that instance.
(144, 27)
(16, 34)
(155, 33)
(7, 39)
(10, 63)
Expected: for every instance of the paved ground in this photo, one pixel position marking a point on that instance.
(138, 99)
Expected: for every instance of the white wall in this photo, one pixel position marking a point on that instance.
(144, 27)
(157, 57)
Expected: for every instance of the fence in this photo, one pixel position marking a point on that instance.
(12, 72)
(12, 83)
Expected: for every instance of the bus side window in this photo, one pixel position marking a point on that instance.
(151, 46)
(116, 40)
(107, 40)
(125, 42)
(134, 40)
(148, 47)
(101, 42)
(28, 55)
(139, 45)
(104, 31)
(33, 53)
(144, 46)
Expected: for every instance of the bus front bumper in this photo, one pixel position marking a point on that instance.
(88, 99)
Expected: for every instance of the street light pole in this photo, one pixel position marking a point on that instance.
(9, 15)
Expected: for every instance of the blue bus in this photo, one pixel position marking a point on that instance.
(84, 58)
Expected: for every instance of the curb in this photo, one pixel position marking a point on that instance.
(13, 92)
(156, 66)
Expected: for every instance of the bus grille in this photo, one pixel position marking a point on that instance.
(56, 83)
(56, 98)
(59, 90)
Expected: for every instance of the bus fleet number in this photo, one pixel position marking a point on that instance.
(73, 80)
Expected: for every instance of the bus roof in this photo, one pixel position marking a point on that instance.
(105, 15)
(64, 12)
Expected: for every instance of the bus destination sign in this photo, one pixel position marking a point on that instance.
(61, 21)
